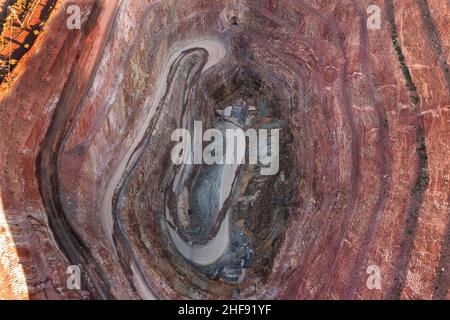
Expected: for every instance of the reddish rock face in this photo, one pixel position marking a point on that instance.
(359, 205)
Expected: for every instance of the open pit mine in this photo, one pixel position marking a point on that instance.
(224, 149)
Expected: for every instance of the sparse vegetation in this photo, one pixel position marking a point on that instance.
(19, 29)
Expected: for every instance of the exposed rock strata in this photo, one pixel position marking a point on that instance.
(364, 152)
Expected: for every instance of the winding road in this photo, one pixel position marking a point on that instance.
(202, 255)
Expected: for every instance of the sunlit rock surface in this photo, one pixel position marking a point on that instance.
(364, 128)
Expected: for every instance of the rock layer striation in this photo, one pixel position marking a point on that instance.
(363, 182)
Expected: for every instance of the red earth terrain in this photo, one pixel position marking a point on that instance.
(364, 182)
